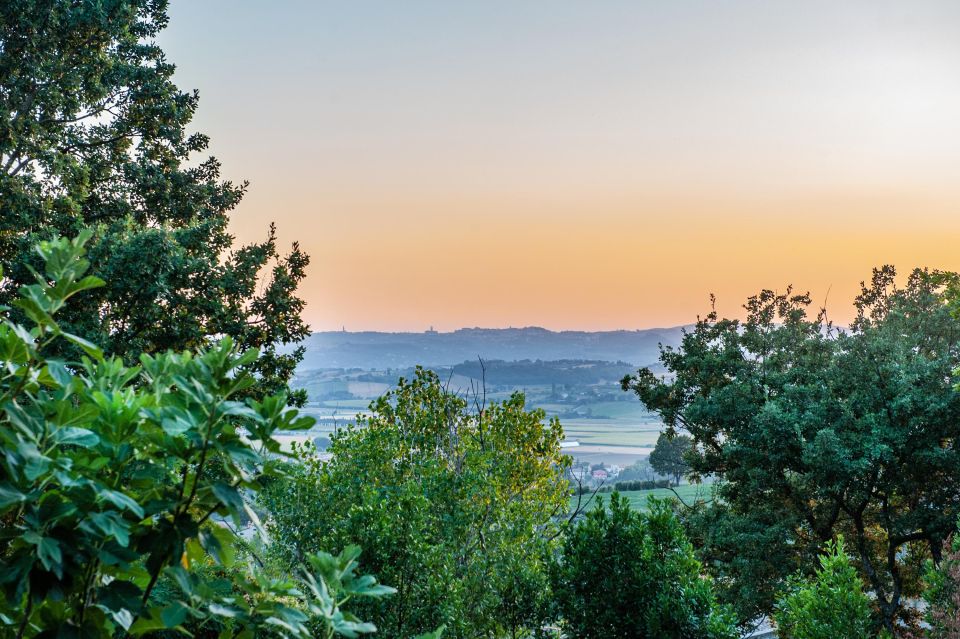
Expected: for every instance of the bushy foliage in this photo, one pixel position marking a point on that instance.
(630, 575)
(830, 605)
(113, 476)
(453, 507)
(93, 133)
(814, 432)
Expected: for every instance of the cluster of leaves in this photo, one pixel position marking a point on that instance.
(831, 605)
(457, 508)
(113, 476)
(625, 574)
(93, 134)
(816, 432)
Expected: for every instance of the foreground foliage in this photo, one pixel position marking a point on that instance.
(454, 508)
(831, 605)
(815, 432)
(93, 133)
(630, 575)
(114, 477)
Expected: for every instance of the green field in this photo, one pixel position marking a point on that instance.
(689, 493)
(610, 432)
(626, 410)
(345, 404)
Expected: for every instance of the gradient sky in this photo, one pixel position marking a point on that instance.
(581, 165)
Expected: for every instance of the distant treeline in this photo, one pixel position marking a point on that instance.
(572, 372)
(624, 486)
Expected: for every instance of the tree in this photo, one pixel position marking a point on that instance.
(455, 508)
(815, 432)
(831, 605)
(114, 477)
(667, 457)
(640, 470)
(93, 134)
(625, 574)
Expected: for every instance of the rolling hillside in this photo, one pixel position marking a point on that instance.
(372, 350)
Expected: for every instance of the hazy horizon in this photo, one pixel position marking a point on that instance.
(581, 166)
(346, 329)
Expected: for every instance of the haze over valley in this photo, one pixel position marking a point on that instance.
(572, 375)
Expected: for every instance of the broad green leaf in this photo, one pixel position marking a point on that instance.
(75, 436)
(219, 610)
(219, 543)
(51, 556)
(120, 500)
(88, 347)
(9, 496)
(174, 615)
(229, 496)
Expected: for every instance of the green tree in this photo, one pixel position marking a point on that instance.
(93, 134)
(667, 457)
(816, 432)
(625, 574)
(114, 477)
(831, 605)
(455, 508)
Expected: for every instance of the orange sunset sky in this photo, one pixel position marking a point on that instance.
(581, 165)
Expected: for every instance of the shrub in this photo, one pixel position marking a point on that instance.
(625, 574)
(832, 605)
(114, 476)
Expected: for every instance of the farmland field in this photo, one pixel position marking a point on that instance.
(689, 493)
(610, 432)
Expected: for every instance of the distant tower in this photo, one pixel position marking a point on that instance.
(430, 331)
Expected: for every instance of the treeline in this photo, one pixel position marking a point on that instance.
(538, 372)
(624, 486)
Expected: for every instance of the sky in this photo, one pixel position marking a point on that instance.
(581, 165)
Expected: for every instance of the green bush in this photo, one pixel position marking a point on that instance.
(114, 476)
(631, 575)
(456, 508)
(831, 605)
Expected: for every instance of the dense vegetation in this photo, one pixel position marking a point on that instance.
(115, 477)
(832, 605)
(623, 574)
(139, 423)
(93, 134)
(456, 508)
(816, 432)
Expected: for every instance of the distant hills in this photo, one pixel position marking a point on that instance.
(376, 350)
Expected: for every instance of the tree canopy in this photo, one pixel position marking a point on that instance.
(455, 508)
(667, 457)
(630, 575)
(815, 431)
(93, 134)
